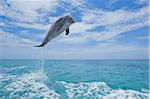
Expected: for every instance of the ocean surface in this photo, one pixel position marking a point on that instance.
(74, 79)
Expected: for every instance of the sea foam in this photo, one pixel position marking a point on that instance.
(31, 86)
(99, 90)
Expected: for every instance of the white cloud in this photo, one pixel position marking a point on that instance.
(80, 27)
(112, 17)
(32, 11)
(72, 5)
(13, 40)
(113, 23)
(26, 10)
(111, 2)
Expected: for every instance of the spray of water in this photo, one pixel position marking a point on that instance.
(40, 70)
(41, 60)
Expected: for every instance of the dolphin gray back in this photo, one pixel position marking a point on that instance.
(53, 29)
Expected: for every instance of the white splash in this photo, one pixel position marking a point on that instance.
(99, 90)
(31, 86)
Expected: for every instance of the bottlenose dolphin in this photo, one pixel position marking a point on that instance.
(57, 28)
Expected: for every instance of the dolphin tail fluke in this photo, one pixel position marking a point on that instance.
(42, 45)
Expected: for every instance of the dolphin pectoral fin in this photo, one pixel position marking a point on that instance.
(67, 31)
(42, 45)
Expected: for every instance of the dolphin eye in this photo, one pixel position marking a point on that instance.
(72, 20)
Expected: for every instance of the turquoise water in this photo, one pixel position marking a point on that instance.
(74, 79)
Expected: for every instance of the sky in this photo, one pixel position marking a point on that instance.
(104, 29)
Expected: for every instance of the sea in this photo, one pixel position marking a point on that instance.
(74, 79)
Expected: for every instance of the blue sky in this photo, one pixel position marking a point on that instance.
(104, 29)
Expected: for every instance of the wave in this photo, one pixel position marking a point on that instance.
(33, 86)
(30, 86)
(99, 90)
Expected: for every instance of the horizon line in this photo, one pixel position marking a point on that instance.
(75, 59)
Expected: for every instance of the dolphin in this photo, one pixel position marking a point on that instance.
(61, 25)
